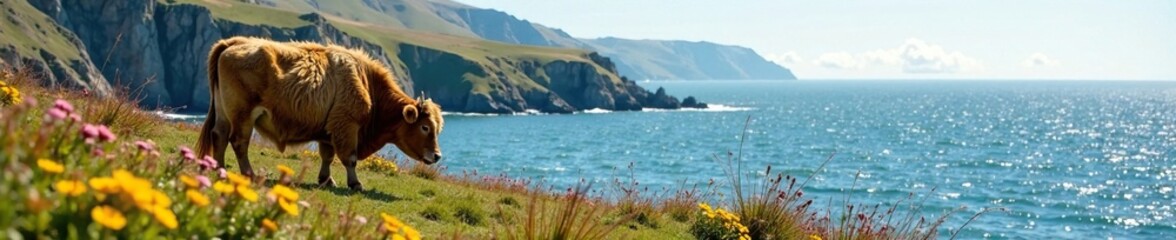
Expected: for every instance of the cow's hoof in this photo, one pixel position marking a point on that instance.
(355, 186)
(328, 182)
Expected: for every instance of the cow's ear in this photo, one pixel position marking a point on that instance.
(410, 114)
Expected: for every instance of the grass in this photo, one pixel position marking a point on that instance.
(465, 205)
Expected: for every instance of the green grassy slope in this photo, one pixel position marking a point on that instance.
(28, 31)
(407, 196)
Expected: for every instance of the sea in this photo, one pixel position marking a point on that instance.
(1062, 159)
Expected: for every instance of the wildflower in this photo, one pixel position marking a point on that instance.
(56, 114)
(70, 188)
(105, 135)
(814, 237)
(108, 217)
(129, 183)
(204, 182)
(90, 133)
(223, 188)
(189, 181)
(151, 199)
(269, 225)
(209, 163)
(165, 217)
(63, 106)
(197, 198)
(50, 166)
(286, 171)
(411, 233)
(288, 207)
(239, 180)
(391, 224)
(146, 146)
(361, 220)
(247, 193)
(105, 185)
(187, 153)
(283, 192)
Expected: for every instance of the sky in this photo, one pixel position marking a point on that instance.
(888, 39)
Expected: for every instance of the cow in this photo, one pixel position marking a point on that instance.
(301, 92)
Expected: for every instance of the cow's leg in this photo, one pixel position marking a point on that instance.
(239, 136)
(327, 152)
(220, 139)
(344, 137)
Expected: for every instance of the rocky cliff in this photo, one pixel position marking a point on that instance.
(34, 42)
(162, 47)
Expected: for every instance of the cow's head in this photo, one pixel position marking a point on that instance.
(418, 137)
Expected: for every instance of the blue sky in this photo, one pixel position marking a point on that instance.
(897, 39)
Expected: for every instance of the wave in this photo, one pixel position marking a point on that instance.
(180, 117)
(709, 108)
(596, 111)
(527, 112)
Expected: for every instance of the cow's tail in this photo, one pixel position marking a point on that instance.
(206, 140)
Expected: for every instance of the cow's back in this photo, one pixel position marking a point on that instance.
(292, 88)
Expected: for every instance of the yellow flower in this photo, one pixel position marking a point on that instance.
(238, 179)
(165, 216)
(189, 181)
(223, 188)
(704, 207)
(410, 233)
(289, 207)
(108, 217)
(105, 185)
(246, 193)
(70, 188)
(50, 166)
(269, 225)
(283, 192)
(814, 237)
(150, 199)
(286, 171)
(129, 183)
(390, 222)
(197, 198)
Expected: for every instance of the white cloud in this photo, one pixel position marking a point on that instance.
(837, 60)
(913, 56)
(1039, 60)
(788, 58)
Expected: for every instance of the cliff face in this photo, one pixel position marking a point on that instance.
(123, 35)
(163, 48)
(32, 41)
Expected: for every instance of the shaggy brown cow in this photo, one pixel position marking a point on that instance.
(296, 92)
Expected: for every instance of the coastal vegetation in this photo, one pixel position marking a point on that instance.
(71, 171)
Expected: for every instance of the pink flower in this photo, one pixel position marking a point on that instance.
(56, 114)
(105, 134)
(145, 146)
(75, 117)
(204, 182)
(187, 153)
(90, 133)
(223, 173)
(98, 152)
(208, 163)
(361, 220)
(63, 106)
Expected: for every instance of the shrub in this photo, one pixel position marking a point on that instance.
(379, 164)
(718, 223)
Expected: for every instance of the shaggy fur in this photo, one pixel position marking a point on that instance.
(299, 92)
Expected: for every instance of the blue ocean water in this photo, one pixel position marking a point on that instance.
(1068, 159)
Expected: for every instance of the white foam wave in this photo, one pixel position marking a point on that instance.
(177, 116)
(596, 111)
(709, 108)
(526, 112)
